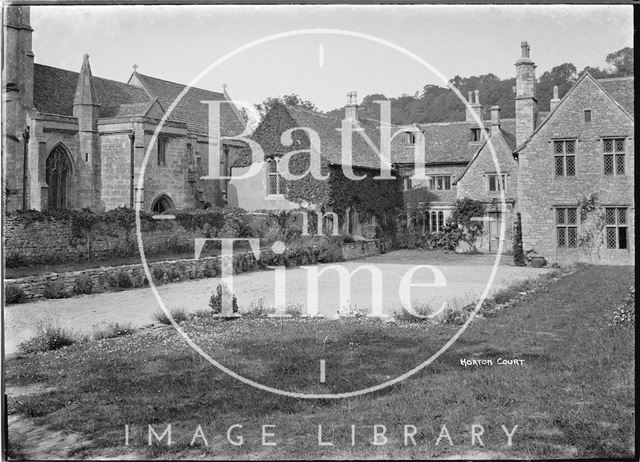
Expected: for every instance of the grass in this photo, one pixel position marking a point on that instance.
(114, 329)
(50, 337)
(178, 314)
(572, 397)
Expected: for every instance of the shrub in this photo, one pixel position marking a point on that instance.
(210, 270)
(293, 309)
(158, 274)
(454, 316)
(13, 293)
(139, 278)
(54, 289)
(176, 273)
(330, 251)
(421, 310)
(51, 338)
(125, 281)
(369, 231)
(83, 285)
(114, 329)
(258, 310)
(15, 260)
(178, 314)
(518, 250)
(505, 295)
(625, 314)
(215, 302)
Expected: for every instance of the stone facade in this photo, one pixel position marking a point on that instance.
(97, 133)
(479, 182)
(541, 192)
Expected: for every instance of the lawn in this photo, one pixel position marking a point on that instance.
(572, 397)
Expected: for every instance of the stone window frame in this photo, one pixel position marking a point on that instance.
(567, 220)
(162, 151)
(406, 183)
(488, 177)
(281, 186)
(565, 156)
(476, 135)
(433, 182)
(409, 138)
(617, 221)
(588, 111)
(615, 154)
(436, 220)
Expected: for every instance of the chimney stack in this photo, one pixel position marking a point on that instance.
(525, 95)
(495, 119)
(555, 100)
(351, 108)
(474, 106)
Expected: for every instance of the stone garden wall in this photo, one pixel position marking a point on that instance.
(107, 279)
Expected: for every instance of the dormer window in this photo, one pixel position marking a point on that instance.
(409, 138)
(476, 134)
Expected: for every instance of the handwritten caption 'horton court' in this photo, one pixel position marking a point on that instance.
(489, 362)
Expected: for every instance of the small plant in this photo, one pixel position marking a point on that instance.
(125, 281)
(83, 285)
(114, 329)
(54, 289)
(222, 291)
(209, 270)
(421, 310)
(454, 316)
(50, 338)
(625, 314)
(357, 312)
(258, 310)
(139, 278)
(158, 274)
(178, 314)
(293, 310)
(13, 293)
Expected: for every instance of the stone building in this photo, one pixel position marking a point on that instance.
(355, 203)
(576, 170)
(72, 140)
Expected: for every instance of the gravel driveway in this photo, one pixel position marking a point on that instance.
(466, 277)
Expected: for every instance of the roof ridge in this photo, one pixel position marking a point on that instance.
(93, 76)
(176, 83)
(611, 79)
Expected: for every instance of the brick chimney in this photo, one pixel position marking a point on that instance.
(495, 119)
(525, 95)
(474, 106)
(555, 100)
(351, 108)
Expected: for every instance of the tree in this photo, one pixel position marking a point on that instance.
(289, 100)
(621, 62)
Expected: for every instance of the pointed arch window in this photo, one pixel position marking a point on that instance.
(58, 177)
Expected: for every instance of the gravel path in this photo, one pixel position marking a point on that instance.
(466, 277)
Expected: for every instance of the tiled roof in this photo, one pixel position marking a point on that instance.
(190, 109)
(54, 91)
(124, 110)
(331, 139)
(448, 142)
(621, 90)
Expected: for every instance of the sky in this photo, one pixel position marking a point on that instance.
(178, 43)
